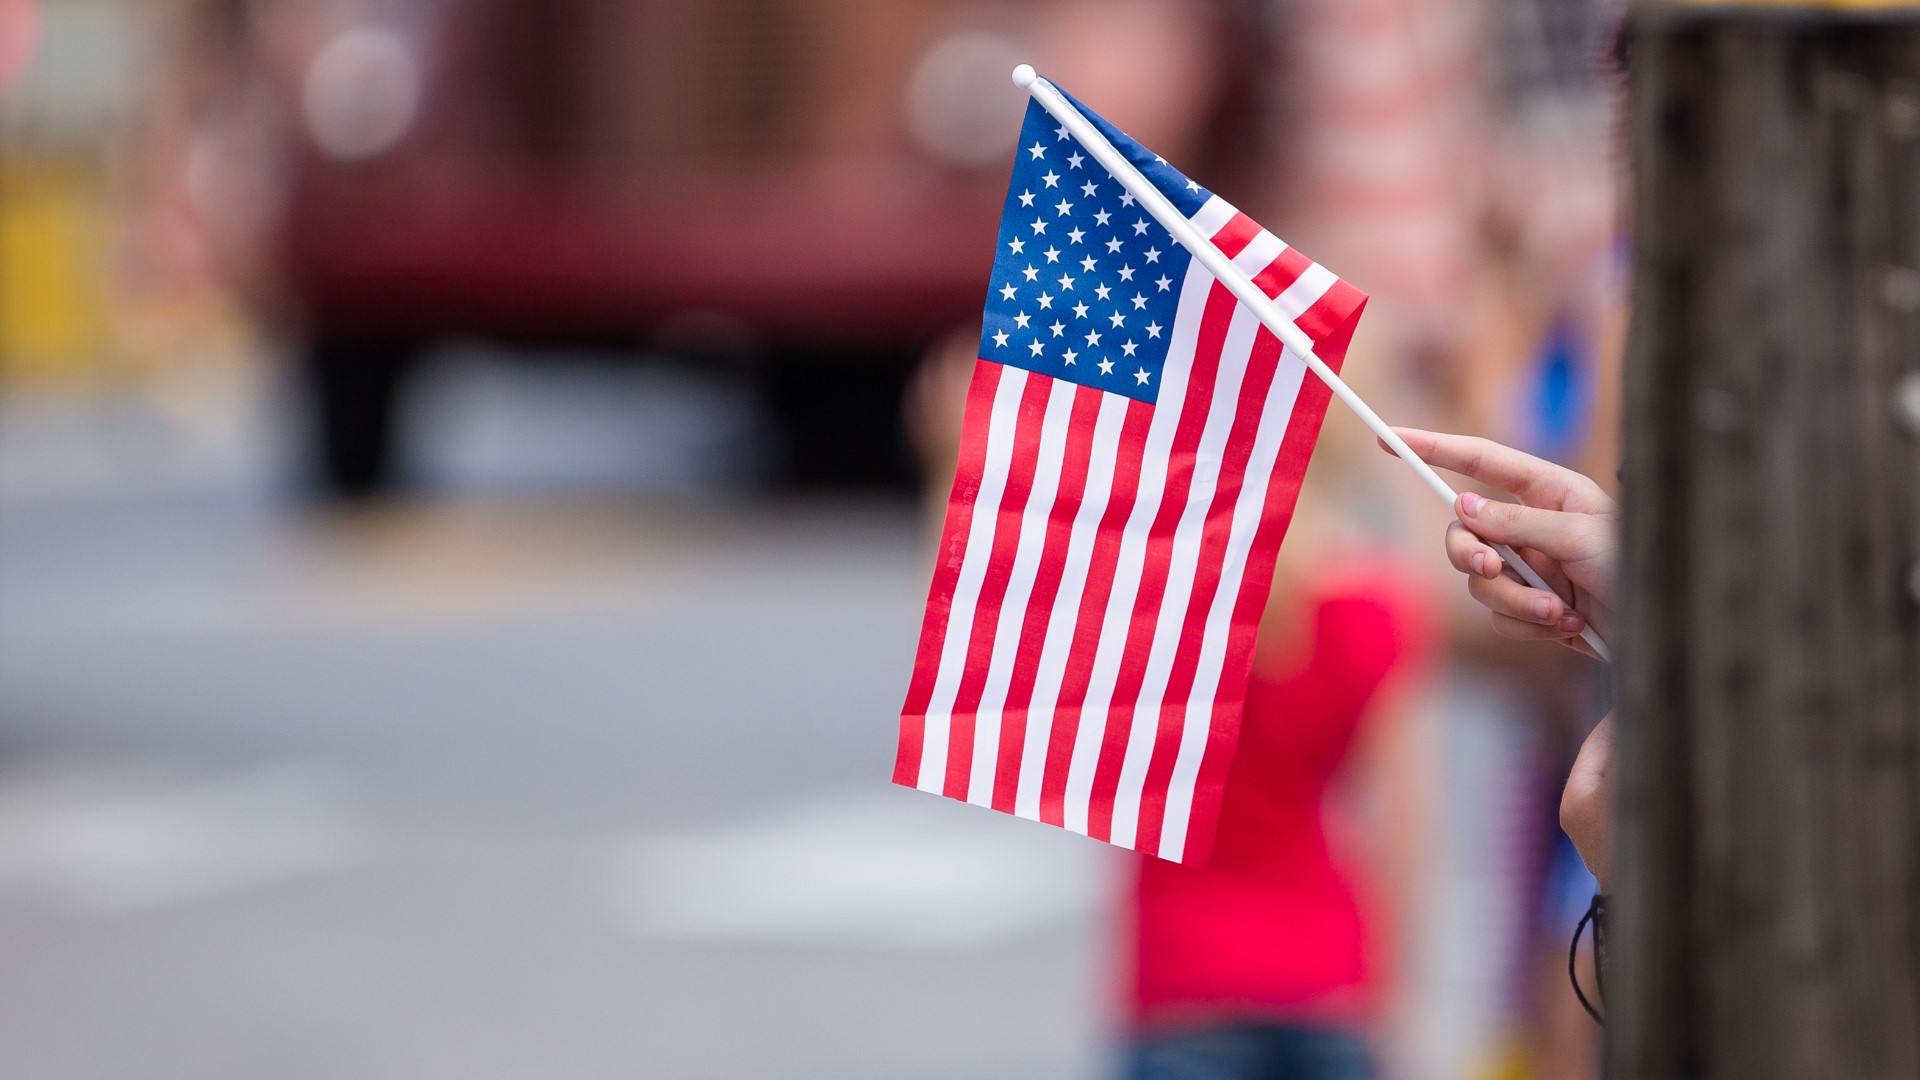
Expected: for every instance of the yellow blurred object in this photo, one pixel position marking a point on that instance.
(1511, 1060)
(55, 284)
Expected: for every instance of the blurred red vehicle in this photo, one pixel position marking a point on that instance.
(802, 191)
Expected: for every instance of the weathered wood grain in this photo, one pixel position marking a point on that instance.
(1768, 917)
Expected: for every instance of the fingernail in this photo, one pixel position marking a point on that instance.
(1541, 607)
(1470, 503)
(1480, 563)
(1571, 622)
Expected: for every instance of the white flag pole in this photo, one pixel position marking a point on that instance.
(1263, 308)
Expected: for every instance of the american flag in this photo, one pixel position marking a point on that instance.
(1133, 444)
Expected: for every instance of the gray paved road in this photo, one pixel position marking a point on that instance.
(505, 786)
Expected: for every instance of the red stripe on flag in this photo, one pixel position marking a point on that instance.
(1078, 454)
(993, 585)
(946, 572)
(1215, 318)
(1236, 234)
(1282, 272)
(1330, 322)
(1128, 457)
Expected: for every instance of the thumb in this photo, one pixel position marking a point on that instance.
(1561, 536)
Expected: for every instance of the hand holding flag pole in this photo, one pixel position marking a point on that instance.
(1256, 301)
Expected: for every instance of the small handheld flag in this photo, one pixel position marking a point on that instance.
(1134, 441)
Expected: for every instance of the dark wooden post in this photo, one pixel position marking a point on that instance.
(1767, 922)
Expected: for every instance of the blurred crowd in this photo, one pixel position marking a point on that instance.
(796, 198)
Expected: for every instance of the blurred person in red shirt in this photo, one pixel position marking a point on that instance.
(1278, 956)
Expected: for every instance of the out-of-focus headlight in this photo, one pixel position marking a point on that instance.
(362, 93)
(959, 105)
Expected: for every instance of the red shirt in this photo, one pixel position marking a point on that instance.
(1273, 925)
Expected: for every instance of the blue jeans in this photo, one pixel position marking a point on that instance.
(1251, 1051)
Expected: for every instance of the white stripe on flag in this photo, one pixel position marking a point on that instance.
(1092, 731)
(966, 591)
(1062, 621)
(1259, 254)
(1212, 216)
(1305, 292)
(1013, 608)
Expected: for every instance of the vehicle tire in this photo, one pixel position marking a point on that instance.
(355, 386)
(839, 420)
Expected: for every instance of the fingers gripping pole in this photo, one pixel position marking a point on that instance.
(1249, 294)
(1587, 633)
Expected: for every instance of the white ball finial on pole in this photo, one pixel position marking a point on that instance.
(1024, 75)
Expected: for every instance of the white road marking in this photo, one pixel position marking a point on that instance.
(888, 868)
(106, 842)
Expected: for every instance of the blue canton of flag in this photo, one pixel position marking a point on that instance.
(1085, 282)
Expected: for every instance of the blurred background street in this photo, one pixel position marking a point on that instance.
(455, 608)
(575, 784)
